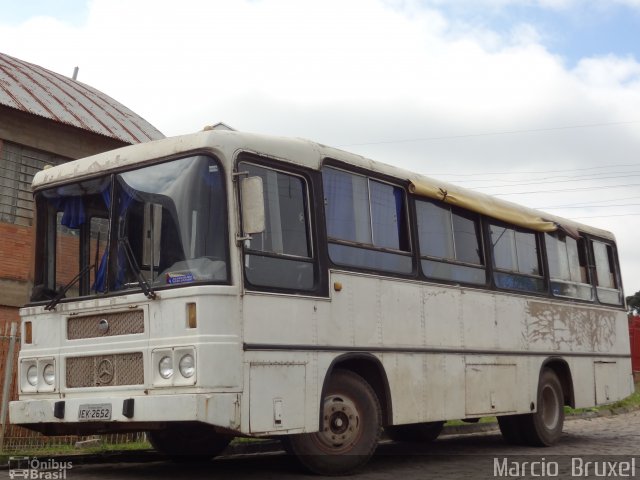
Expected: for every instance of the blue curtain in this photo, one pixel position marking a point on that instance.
(101, 275)
(386, 208)
(73, 211)
(338, 192)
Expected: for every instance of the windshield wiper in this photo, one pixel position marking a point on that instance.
(144, 285)
(63, 291)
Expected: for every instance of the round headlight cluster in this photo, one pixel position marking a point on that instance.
(166, 367)
(41, 377)
(187, 366)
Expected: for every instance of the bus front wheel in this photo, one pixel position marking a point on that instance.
(350, 428)
(544, 427)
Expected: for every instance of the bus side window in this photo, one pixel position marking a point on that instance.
(516, 259)
(606, 274)
(567, 266)
(281, 257)
(366, 222)
(450, 243)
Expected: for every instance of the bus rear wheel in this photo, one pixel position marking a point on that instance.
(544, 427)
(350, 429)
(188, 443)
(415, 432)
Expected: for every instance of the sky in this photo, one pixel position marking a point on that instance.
(535, 101)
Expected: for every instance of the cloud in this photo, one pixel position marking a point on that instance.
(558, 5)
(384, 73)
(610, 72)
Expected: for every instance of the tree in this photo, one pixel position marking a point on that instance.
(633, 303)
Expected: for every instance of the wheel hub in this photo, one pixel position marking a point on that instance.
(550, 408)
(340, 422)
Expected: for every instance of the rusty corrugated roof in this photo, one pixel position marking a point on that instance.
(36, 90)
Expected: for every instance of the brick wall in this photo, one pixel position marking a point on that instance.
(16, 252)
(8, 315)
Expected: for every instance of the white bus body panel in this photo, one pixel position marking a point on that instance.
(448, 352)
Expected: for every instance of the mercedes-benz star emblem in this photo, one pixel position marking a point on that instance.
(103, 326)
(105, 372)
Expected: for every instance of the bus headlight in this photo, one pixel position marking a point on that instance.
(165, 367)
(174, 367)
(48, 374)
(187, 366)
(32, 375)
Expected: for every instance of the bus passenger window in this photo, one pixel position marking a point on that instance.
(450, 244)
(516, 259)
(281, 256)
(567, 266)
(366, 222)
(606, 278)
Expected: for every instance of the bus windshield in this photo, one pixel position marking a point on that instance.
(158, 226)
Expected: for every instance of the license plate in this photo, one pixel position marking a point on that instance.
(94, 413)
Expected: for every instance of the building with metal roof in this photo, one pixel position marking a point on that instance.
(41, 92)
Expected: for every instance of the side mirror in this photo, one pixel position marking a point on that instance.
(252, 198)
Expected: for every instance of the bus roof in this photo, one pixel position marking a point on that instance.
(311, 155)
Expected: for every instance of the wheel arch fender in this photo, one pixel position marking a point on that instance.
(562, 370)
(370, 368)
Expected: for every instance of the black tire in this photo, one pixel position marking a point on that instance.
(544, 427)
(415, 432)
(351, 428)
(192, 443)
(511, 429)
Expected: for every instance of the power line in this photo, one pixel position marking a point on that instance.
(567, 190)
(577, 178)
(558, 181)
(595, 206)
(606, 216)
(539, 172)
(488, 134)
(588, 203)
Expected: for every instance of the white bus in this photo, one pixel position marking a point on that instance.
(226, 284)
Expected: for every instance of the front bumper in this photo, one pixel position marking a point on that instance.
(134, 413)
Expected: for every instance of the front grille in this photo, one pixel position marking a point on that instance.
(105, 370)
(105, 325)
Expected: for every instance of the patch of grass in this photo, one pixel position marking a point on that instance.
(631, 402)
(457, 423)
(580, 411)
(120, 447)
(58, 450)
(43, 451)
(238, 440)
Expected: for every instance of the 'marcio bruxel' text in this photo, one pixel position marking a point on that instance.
(578, 467)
